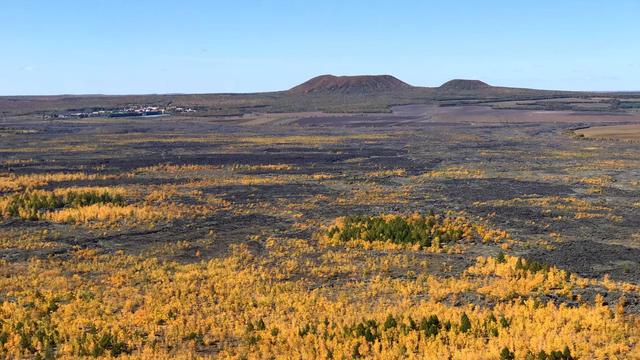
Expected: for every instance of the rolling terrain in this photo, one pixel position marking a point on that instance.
(328, 93)
(345, 218)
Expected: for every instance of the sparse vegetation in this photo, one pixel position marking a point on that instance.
(221, 238)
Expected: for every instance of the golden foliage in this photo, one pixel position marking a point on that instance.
(243, 307)
(12, 182)
(107, 213)
(153, 210)
(387, 173)
(455, 172)
(580, 208)
(510, 278)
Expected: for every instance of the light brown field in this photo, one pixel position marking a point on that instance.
(614, 132)
(484, 114)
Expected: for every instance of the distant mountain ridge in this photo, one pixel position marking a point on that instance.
(369, 84)
(326, 93)
(362, 84)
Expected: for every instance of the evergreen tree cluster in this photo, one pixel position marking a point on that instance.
(424, 230)
(30, 205)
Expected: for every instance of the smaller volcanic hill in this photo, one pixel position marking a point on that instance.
(463, 85)
(365, 84)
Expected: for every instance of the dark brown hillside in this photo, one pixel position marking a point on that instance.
(464, 85)
(366, 84)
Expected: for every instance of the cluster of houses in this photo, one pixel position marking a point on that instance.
(129, 111)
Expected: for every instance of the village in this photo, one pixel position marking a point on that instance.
(128, 111)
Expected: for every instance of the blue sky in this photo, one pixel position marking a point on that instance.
(126, 47)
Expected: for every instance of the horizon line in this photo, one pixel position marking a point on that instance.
(89, 94)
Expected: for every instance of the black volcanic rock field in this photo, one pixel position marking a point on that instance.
(349, 217)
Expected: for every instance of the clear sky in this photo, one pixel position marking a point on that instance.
(161, 46)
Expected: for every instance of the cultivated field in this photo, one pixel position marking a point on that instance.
(430, 232)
